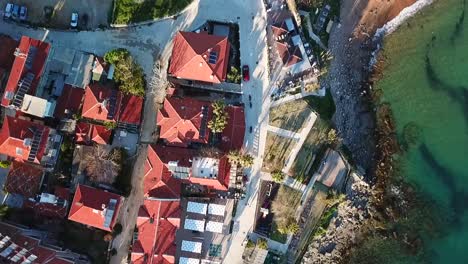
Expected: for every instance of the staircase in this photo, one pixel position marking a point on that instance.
(23, 88)
(35, 145)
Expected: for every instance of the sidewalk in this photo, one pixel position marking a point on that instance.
(283, 132)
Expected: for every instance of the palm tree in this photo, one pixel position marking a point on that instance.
(246, 161)
(220, 117)
(234, 157)
(278, 176)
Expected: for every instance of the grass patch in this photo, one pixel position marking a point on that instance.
(303, 167)
(324, 106)
(291, 115)
(277, 149)
(283, 208)
(129, 11)
(325, 220)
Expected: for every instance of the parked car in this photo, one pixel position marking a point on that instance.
(74, 20)
(8, 10)
(23, 13)
(15, 12)
(245, 73)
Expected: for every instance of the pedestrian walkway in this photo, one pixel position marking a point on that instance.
(283, 132)
(302, 137)
(291, 182)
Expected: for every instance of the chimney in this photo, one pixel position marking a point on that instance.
(201, 64)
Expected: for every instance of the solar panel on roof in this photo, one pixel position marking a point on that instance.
(195, 225)
(109, 213)
(213, 57)
(216, 209)
(204, 121)
(111, 105)
(198, 208)
(215, 227)
(191, 246)
(31, 54)
(183, 260)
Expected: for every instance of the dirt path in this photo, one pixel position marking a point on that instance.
(351, 48)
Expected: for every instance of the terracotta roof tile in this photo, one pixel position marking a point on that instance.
(130, 109)
(12, 138)
(19, 68)
(87, 133)
(69, 100)
(99, 100)
(182, 121)
(233, 135)
(87, 207)
(24, 179)
(191, 57)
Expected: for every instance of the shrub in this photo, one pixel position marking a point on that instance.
(117, 229)
(110, 125)
(250, 244)
(278, 176)
(220, 117)
(262, 243)
(234, 75)
(5, 164)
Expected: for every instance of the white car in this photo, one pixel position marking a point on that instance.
(74, 20)
(8, 10)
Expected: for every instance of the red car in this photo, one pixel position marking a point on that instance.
(245, 73)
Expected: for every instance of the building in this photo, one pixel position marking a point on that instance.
(157, 223)
(50, 205)
(69, 102)
(184, 121)
(23, 245)
(168, 167)
(24, 140)
(105, 104)
(285, 38)
(28, 66)
(94, 207)
(199, 57)
(88, 134)
(204, 233)
(24, 179)
(102, 71)
(232, 137)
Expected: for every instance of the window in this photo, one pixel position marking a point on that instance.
(215, 250)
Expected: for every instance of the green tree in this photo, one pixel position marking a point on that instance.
(237, 158)
(234, 75)
(3, 210)
(128, 74)
(5, 164)
(220, 117)
(278, 176)
(110, 125)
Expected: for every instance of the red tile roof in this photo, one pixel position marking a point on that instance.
(221, 183)
(24, 179)
(6, 52)
(87, 133)
(88, 207)
(180, 120)
(191, 57)
(29, 247)
(99, 100)
(159, 182)
(48, 209)
(157, 224)
(97, 103)
(69, 101)
(130, 109)
(233, 135)
(19, 68)
(12, 135)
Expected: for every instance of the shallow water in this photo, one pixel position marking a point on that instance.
(426, 83)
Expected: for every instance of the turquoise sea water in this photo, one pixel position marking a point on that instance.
(426, 83)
